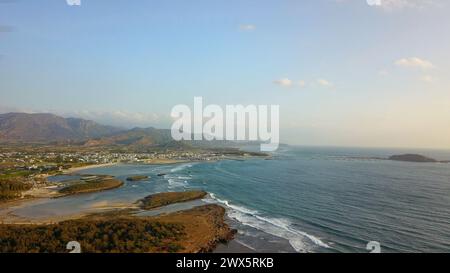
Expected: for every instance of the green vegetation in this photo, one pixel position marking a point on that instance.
(122, 235)
(167, 198)
(12, 189)
(137, 178)
(15, 174)
(100, 184)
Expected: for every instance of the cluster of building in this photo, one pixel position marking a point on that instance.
(54, 161)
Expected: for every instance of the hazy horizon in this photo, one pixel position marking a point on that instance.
(345, 73)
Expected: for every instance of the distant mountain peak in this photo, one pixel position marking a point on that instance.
(46, 127)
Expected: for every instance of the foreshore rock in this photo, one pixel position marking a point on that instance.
(205, 227)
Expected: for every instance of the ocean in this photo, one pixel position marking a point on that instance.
(303, 199)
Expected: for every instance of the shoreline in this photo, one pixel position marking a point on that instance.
(37, 193)
(87, 167)
(16, 202)
(164, 161)
(8, 216)
(205, 225)
(41, 193)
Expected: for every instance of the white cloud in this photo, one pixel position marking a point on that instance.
(392, 5)
(374, 2)
(324, 83)
(73, 2)
(414, 62)
(401, 4)
(121, 118)
(285, 82)
(247, 27)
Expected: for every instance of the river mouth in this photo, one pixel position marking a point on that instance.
(176, 178)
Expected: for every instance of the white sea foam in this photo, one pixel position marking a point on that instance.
(279, 227)
(235, 207)
(176, 183)
(181, 167)
(184, 177)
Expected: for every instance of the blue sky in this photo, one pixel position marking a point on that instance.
(342, 71)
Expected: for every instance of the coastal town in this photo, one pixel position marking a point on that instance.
(45, 161)
(25, 176)
(59, 161)
(29, 167)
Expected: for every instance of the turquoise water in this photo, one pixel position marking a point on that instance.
(303, 199)
(342, 201)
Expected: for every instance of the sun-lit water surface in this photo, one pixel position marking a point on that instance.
(303, 199)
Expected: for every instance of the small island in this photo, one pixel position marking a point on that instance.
(413, 158)
(136, 178)
(167, 198)
(92, 183)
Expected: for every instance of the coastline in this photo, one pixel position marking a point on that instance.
(219, 233)
(87, 167)
(165, 161)
(44, 192)
(16, 202)
(204, 225)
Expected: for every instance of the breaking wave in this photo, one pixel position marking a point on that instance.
(177, 181)
(181, 167)
(279, 227)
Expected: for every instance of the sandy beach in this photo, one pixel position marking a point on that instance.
(7, 215)
(76, 169)
(165, 161)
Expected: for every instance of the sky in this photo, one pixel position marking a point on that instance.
(369, 73)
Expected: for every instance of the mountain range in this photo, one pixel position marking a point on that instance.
(48, 128)
(23, 127)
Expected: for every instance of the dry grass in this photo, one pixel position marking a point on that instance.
(167, 198)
